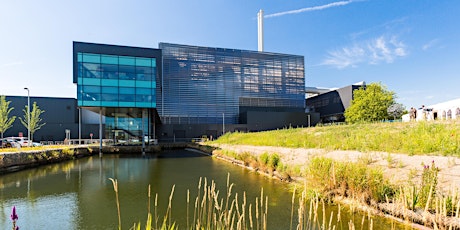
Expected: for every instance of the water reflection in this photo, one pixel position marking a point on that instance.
(78, 195)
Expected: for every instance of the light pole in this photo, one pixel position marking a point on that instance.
(28, 116)
(79, 125)
(223, 123)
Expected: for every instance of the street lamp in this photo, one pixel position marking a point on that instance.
(28, 116)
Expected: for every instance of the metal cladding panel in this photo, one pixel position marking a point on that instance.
(203, 85)
(60, 114)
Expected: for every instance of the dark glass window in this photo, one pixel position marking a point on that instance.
(126, 90)
(126, 97)
(110, 80)
(112, 90)
(109, 97)
(92, 89)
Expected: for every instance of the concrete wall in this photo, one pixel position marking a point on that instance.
(19, 160)
(258, 121)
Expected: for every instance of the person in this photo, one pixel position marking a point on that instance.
(412, 113)
(423, 112)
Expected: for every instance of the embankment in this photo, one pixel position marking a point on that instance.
(22, 159)
(347, 177)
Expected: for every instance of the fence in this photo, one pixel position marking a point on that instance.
(76, 142)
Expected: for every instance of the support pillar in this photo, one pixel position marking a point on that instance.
(143, 132)
(100, 132)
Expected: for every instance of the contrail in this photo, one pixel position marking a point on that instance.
(313, 8)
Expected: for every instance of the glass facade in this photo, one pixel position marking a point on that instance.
(116, 81)
(127, 124)
(120, 83)
(202, 85)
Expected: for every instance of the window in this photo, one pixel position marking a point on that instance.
(109, 59)
(110, 80)
(91, 58)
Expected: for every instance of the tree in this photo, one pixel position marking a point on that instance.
(6, 122)
(369, 103)
(35, 120)
(396, 110)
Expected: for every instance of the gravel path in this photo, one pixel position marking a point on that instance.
(397, 167)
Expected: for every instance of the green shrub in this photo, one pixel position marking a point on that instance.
(273, 160)
(348, 179)
(263, 158)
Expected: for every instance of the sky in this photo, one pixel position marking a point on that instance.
(412, 46)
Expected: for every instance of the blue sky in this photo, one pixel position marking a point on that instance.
(411, 46)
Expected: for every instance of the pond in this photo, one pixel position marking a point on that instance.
(79, 195)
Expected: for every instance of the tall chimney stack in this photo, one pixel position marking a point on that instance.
(260, 30)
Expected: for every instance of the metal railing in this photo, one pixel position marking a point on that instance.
(76, 142)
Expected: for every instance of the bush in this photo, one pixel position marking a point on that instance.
(263, 158)
(348, 179)
(273, 160)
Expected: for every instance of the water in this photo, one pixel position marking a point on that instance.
(78, 194)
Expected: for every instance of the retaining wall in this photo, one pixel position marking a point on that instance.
(14, 161)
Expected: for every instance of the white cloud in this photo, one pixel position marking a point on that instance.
(313, 8)
(375, 51)
(430, 44)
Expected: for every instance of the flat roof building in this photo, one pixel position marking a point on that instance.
(182, 91)
(331, 104)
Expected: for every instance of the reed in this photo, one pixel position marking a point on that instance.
(115, 188)
(214, 212)
(311, 214)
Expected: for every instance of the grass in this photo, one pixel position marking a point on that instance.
(439, 137)
(327, 178)
(211, 211)
(419, 200)
(36, 148)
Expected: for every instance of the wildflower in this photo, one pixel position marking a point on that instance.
(14, 216)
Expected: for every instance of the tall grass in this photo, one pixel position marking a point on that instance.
(419, 200)
(441, 137)
(211, 211)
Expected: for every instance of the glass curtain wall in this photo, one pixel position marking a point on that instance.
(204, 85)
(124, 87)
(128, 124)
(116, 81)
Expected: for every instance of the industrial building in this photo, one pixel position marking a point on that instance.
(331, 103)
(173, 92)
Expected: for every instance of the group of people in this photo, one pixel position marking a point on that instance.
(426, 113)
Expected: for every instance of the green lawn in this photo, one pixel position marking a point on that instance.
(438, 137)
